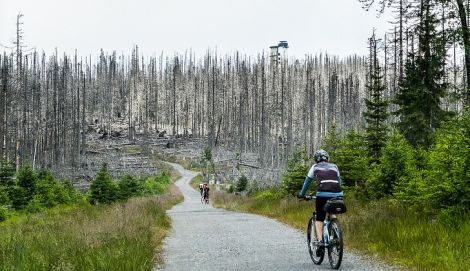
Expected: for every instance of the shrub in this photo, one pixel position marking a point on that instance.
(148, 186)
(445, 181)
(241, 184)
(27, 179)
(18, 197)
(128, 187)
(352, 158)
(4, 199)
(34, 205)
(397, 168)
(3, 214)
(74, 195)
(49, 190)
(103, 188)
(297, 169)
(155, 185)
(45, 192)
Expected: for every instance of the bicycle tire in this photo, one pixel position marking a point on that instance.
(335, 249)
(312, 247)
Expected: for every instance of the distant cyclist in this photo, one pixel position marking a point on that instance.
(205, 193)
(328, 186)
(201, 188)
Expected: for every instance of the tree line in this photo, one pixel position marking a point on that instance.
(265, 104)
(49, 103)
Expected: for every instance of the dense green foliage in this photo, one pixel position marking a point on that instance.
(103, 188)
(128, 187)
(242, 183)
(297, 169)
(352, 155)
(31, 191)
(154, 185)
(397, 166)
(442, 182)
(435, 181)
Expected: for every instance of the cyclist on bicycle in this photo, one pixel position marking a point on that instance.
(205, 192)
(328, 182)
(201, 188)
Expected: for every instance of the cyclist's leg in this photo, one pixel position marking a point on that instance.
(319, 228)
(319, 204)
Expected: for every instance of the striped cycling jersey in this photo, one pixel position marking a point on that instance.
(328, 180)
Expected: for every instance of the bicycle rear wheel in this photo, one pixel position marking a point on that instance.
(313, 243)
(335, 249)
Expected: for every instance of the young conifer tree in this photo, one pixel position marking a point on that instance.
(420, 94)
(103, 189)
(376, 107)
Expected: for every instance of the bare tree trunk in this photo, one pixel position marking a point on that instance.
(466, 45)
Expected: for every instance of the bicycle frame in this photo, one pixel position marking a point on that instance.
(332, 240)
(326, 236)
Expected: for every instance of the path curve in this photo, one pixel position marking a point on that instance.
(206, 238)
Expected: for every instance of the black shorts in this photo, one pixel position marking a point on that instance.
(319, 204)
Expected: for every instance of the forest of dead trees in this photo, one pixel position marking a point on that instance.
(260, 104)
(244, 103)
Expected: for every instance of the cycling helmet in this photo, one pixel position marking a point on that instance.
(321, 155)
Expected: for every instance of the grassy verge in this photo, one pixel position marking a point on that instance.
(175, 175)
(120, 236)
(390, 232)
(194, 183)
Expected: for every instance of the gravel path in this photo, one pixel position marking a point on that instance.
(206, 238)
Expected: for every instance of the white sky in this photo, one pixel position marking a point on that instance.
(339, 27)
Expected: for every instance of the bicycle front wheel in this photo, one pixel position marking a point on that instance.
(313, 243)
(335, 249)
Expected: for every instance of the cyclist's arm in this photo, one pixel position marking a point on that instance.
(307, 183)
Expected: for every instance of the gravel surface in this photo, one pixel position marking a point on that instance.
(206, 238)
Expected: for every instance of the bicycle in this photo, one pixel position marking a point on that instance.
(204, 199)
(332, 239)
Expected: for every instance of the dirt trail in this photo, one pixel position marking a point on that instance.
(206, 238)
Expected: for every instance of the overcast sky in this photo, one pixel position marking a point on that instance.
(339, 27)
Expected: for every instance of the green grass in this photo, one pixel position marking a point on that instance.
(194, 183)
(121, 236)
(392, 233)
